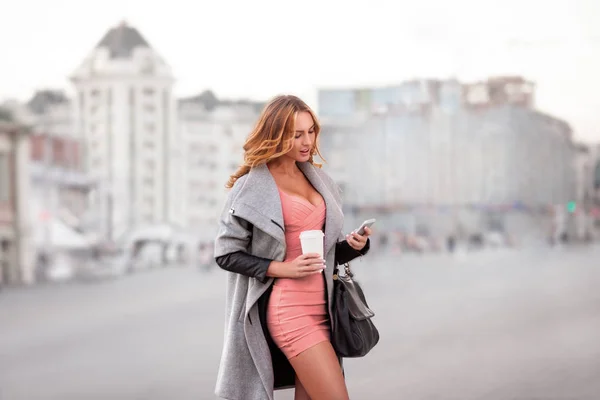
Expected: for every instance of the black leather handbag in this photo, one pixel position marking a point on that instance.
(353, 333)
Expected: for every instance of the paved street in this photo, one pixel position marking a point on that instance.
(498, 325)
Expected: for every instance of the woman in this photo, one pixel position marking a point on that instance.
(279, 301)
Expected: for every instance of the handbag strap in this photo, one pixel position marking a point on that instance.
(347, 271)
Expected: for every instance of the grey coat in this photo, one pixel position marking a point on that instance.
(252, 221)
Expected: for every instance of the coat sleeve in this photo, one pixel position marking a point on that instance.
(232, 243)
(344, 253)
(246, 264)
(234, 234)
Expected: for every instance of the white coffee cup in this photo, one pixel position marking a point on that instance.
(312, 242)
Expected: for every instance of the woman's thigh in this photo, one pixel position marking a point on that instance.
(320, 373)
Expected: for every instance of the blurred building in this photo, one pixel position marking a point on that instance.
(126, 116)
(122, 157)
(213, 132)
(59, 188)
(58, 178)
(593, 183)
(16, 250)
(439, 144)
(585, 206)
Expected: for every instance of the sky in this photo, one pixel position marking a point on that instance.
(260, 48)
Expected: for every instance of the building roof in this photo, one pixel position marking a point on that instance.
(207, 98)
(210, 101)
(44, 98)
(11, 127)
(122, 40)
(6, 115)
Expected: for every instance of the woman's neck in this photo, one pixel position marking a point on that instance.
(284, 166)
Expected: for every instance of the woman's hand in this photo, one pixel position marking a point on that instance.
(303, 265)
(358, 242)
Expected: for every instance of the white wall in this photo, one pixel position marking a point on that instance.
(212, 152)
(500, 156)
(26, 253)
(127, 119)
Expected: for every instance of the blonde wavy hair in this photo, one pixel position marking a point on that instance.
(273, 135)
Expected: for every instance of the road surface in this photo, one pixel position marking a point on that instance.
(496, 325)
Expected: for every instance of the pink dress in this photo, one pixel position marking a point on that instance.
(297, 312)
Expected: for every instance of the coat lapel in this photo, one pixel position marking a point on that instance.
(259, 202)
(334, 219)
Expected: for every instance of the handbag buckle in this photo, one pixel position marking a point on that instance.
(347, 270)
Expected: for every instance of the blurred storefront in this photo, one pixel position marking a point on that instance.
(16, 250)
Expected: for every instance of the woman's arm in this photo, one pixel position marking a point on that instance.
(246, 264)
(231, 248)
(232, 243)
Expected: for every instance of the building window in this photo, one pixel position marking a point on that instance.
(597, 176)
(149, 91)
(149, 108)
(150, 127)
(5, 275)
(4, 178)
(149, 203)
(196, 147)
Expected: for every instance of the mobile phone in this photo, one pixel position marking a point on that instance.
(367, 224)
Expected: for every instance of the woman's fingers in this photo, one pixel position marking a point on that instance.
(357, 242)
(354, 240)
(310, 270)
(312, 260)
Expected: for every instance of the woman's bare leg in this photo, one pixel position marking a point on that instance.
(300, 392)
(320, 373)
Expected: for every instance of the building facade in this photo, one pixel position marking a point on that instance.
(16, 251)
(126, 118)
(592, 185)
(213, 133)
(442, 144)
(60, 188)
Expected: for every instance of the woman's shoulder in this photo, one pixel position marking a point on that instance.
(323, 173)
(239, 182)
(233, 192)
(329, 181)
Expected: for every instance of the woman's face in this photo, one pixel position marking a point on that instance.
(304, 137)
